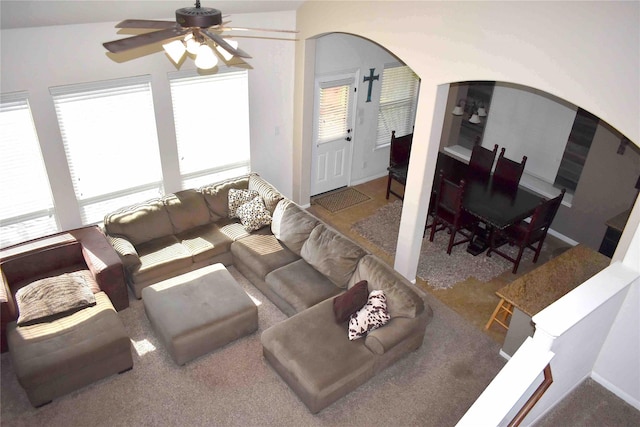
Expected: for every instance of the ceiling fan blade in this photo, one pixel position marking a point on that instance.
(122, 45)
(226, 46)
(258, 29)
(146, 23)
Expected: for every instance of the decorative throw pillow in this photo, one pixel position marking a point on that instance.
(238, 198)
(348, 303)
(372, 316)
(52, 298)
(254, 215)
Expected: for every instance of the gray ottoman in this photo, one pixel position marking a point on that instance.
(198, 312)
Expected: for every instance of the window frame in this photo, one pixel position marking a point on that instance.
(383, 135)
(139, 116)
(218, 172)
(26, 160)
(343, 128)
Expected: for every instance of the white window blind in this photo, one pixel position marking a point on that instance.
(211, 115)
(109, 133)
(398, 102)
(26, 211)
(333, 110)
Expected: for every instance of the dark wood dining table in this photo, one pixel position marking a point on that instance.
(495, 204)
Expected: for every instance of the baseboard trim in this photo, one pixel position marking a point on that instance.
(504, 355)
(368, 178)
(562, 237)
(616, 390)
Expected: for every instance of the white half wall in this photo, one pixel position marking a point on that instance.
(618, 365)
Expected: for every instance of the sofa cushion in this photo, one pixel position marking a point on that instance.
(402, 301)
(300, 285)
(262, 253)
(351, 301)
(269, 195)
(187, 209)
(205, 242)
(292, 225)
(372, 316)
(140, 223)
(313, 354)
(237, 198)
(56, 358)
(254, 215)
(52, 298)
(160, 258)
(332, 254)
(217, 196)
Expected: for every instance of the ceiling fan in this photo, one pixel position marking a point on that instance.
(192, 31)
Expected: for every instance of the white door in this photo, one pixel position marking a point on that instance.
(333, 132)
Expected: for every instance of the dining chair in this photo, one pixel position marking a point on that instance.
(448, 213)
(398, 161)
(481, 161)
(430, 211)
(508, 172)
(526, 234)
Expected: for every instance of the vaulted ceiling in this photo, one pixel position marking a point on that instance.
(34, 13)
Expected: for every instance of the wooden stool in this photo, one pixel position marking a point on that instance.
(500, 314)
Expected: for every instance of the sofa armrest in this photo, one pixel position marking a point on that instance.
(397, 329)
(126, 251)
(105, 264)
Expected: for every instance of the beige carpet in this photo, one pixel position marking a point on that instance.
(340, 199)
(439, 270)
(234, 386)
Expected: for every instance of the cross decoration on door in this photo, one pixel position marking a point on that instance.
(370, 78)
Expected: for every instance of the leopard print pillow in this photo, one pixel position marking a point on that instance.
(372, 316)
(238, 198)
(254, 215)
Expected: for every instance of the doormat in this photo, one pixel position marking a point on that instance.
(341, 199)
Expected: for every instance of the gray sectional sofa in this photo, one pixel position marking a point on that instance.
(297, 261)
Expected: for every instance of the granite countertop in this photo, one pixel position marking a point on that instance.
(539, 288)
(619, 221)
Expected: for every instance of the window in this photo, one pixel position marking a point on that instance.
(398, 102)
(211, 116)
(109, 133)
(27, 210)
(334, 109)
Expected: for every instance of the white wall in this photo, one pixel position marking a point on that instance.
(35, 59)
(529, 124)
(336, 53)
(618, 367)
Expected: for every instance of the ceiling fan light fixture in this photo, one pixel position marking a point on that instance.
(192, 44)
(206, 59)
(175, 50)
(226, 55)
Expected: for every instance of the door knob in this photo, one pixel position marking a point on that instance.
(348, 138)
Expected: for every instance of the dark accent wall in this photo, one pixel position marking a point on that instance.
(576, 151)
(606, 189)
